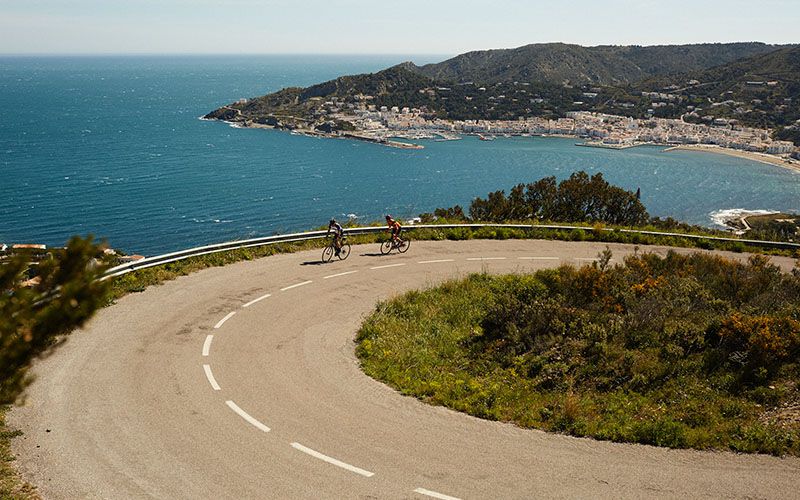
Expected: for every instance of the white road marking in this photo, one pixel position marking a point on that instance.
(210, 377)
(223, 320)
(433, 494)
(257, 300)
(233, 406)
(435, 261)
(340, 274)
(207, 344)
(295, 285)
(487, 258)
(333, 461)
(384, 267)
(539, 258)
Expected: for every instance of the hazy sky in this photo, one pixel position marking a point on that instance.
(396, 27)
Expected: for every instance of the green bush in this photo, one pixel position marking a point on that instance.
(678, 351)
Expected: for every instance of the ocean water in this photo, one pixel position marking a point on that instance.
(112, 146)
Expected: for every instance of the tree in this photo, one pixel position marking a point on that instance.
(452, 213)
(579, 198)
(541, 197)
(65, 295)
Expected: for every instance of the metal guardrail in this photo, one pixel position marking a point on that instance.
(312, 235)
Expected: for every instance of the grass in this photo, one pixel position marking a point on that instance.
(615, 355)
(756, 220)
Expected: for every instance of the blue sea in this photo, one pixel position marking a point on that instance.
(114, 147)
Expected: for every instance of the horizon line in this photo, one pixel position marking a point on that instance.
(344, 53)
(168, 54)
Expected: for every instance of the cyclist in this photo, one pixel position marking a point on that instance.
(395, 228)
(338, 232)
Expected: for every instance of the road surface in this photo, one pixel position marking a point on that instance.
(241, 382)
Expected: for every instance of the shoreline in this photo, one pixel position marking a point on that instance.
(746, 155)
(360, 135)
(315, 133)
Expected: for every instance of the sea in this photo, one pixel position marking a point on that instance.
(114, 146)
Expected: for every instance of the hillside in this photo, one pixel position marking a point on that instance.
(294, 107)
(761, 91)
(755, 84)
(602, 65)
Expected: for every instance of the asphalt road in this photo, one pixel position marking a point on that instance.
(241, 382)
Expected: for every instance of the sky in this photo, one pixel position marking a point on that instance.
(379, 27)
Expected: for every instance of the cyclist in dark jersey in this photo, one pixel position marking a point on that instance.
(338, 232)
(394, 227)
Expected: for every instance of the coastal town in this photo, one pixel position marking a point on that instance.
(595, 129)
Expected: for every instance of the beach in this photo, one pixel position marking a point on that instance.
(747, 155)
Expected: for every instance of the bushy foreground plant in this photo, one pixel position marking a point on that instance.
(64, 294)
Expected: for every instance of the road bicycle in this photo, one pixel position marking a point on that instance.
(330, 250)
(401, 245)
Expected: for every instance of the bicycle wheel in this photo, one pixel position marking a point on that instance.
(386, 246)
(327, 253)
(344, 252)
(404, 244)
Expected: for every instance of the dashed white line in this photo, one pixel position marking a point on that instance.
(435, 261)
(384, 267)
(233, 406)
(210, 377)
(223, 320)
(340, 274)
(433, 494)
(257, 300)
(207, 345)
(333, 461)
(487, 258)
(295, 285)
(539, 258)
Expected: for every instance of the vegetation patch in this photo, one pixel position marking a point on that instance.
(11, 485)
(776, 227)
(678, 351)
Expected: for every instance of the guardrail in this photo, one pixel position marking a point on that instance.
(312, 235)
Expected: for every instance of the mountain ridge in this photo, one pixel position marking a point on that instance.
(576, 64)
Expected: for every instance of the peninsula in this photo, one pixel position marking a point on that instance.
(741, 99)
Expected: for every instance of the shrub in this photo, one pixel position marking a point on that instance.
(679, 351)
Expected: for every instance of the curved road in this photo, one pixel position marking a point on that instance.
(242, 382)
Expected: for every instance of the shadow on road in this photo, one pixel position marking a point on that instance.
(313, 263)
(371, 255)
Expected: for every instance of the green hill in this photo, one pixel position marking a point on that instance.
(294, 106)
(601, 65)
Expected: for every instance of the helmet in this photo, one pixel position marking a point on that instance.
(388, 217)
(332, 221)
